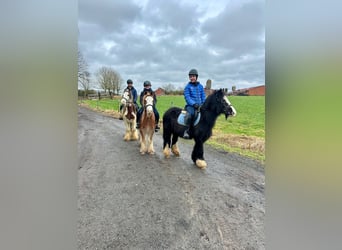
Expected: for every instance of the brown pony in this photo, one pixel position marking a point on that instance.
(129, 113)
(147, 125)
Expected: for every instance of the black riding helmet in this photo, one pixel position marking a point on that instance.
(147, 83)
(129, 81)
(193, 72)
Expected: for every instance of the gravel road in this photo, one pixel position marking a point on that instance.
(132, 201)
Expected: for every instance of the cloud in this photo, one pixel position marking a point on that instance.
(161, 41)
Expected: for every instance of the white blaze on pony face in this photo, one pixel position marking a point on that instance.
(227, 101)
(149, 104)
(125, 97)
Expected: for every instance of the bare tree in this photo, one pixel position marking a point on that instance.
(82, 66)
(116, 82)
(103, 78)
(169, 88)
(83, 74)
(109, 79)
(84, 81)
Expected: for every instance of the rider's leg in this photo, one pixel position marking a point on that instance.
(138, 117)
(188, 121)
(156, 114)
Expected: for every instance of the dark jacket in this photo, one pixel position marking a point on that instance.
(143, 93)
(134, 93)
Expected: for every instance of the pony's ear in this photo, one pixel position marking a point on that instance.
(219, 92)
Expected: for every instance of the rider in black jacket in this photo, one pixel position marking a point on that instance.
(147, 88)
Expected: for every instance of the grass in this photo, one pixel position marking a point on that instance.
(243, 134)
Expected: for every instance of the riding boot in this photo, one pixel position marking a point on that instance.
(187, 121)
(186, 134)
(157, 126)
(138, 118)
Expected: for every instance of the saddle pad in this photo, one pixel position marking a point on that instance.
(180, 118)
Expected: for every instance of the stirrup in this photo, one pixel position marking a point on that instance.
(186, 135)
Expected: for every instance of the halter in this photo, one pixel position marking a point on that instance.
(148, 104)
(225, 99)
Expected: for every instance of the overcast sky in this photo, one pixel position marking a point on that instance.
(161, 40)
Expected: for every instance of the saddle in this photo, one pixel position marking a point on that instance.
(181, 117)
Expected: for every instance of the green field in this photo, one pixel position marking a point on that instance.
(243, 134)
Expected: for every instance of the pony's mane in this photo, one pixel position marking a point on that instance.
(211, 99)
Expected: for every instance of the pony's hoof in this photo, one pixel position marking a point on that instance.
(166, 153)
(201, 164)
(175, 150)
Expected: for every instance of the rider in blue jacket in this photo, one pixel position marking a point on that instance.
(194, 97)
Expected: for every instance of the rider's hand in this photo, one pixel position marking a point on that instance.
(196, 106)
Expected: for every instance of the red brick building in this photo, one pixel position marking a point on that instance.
(258, 90)
(159, 91)
(208, 91)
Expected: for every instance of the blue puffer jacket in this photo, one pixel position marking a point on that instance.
(194, 93)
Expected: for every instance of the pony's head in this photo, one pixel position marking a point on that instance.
(148, 104)
(126, 96)
(219, 103)
(228, 109)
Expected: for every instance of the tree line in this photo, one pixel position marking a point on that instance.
(110, 80)
(106, 78)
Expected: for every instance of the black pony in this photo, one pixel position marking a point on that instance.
(215, 104)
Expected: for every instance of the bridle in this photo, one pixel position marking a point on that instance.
(129, 99)
(148, 104)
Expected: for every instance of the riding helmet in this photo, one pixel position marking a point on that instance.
(129, 81)
(193, 72)
(147, 83)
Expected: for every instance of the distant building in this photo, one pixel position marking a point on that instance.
(253, 91)
(159, 91)
(208, 91)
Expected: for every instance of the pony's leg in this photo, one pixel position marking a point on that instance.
(134, 128)
(166, 151)
(174, 147)
(166, 142)
(142, 143)
(127, 131)
(133, 131)
(197, 155)
(150, 144)
(135, 135)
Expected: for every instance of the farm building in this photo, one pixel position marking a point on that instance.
(208, 91)
(258, 90)
(159, 91)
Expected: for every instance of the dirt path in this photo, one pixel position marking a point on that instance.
(132, 201)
